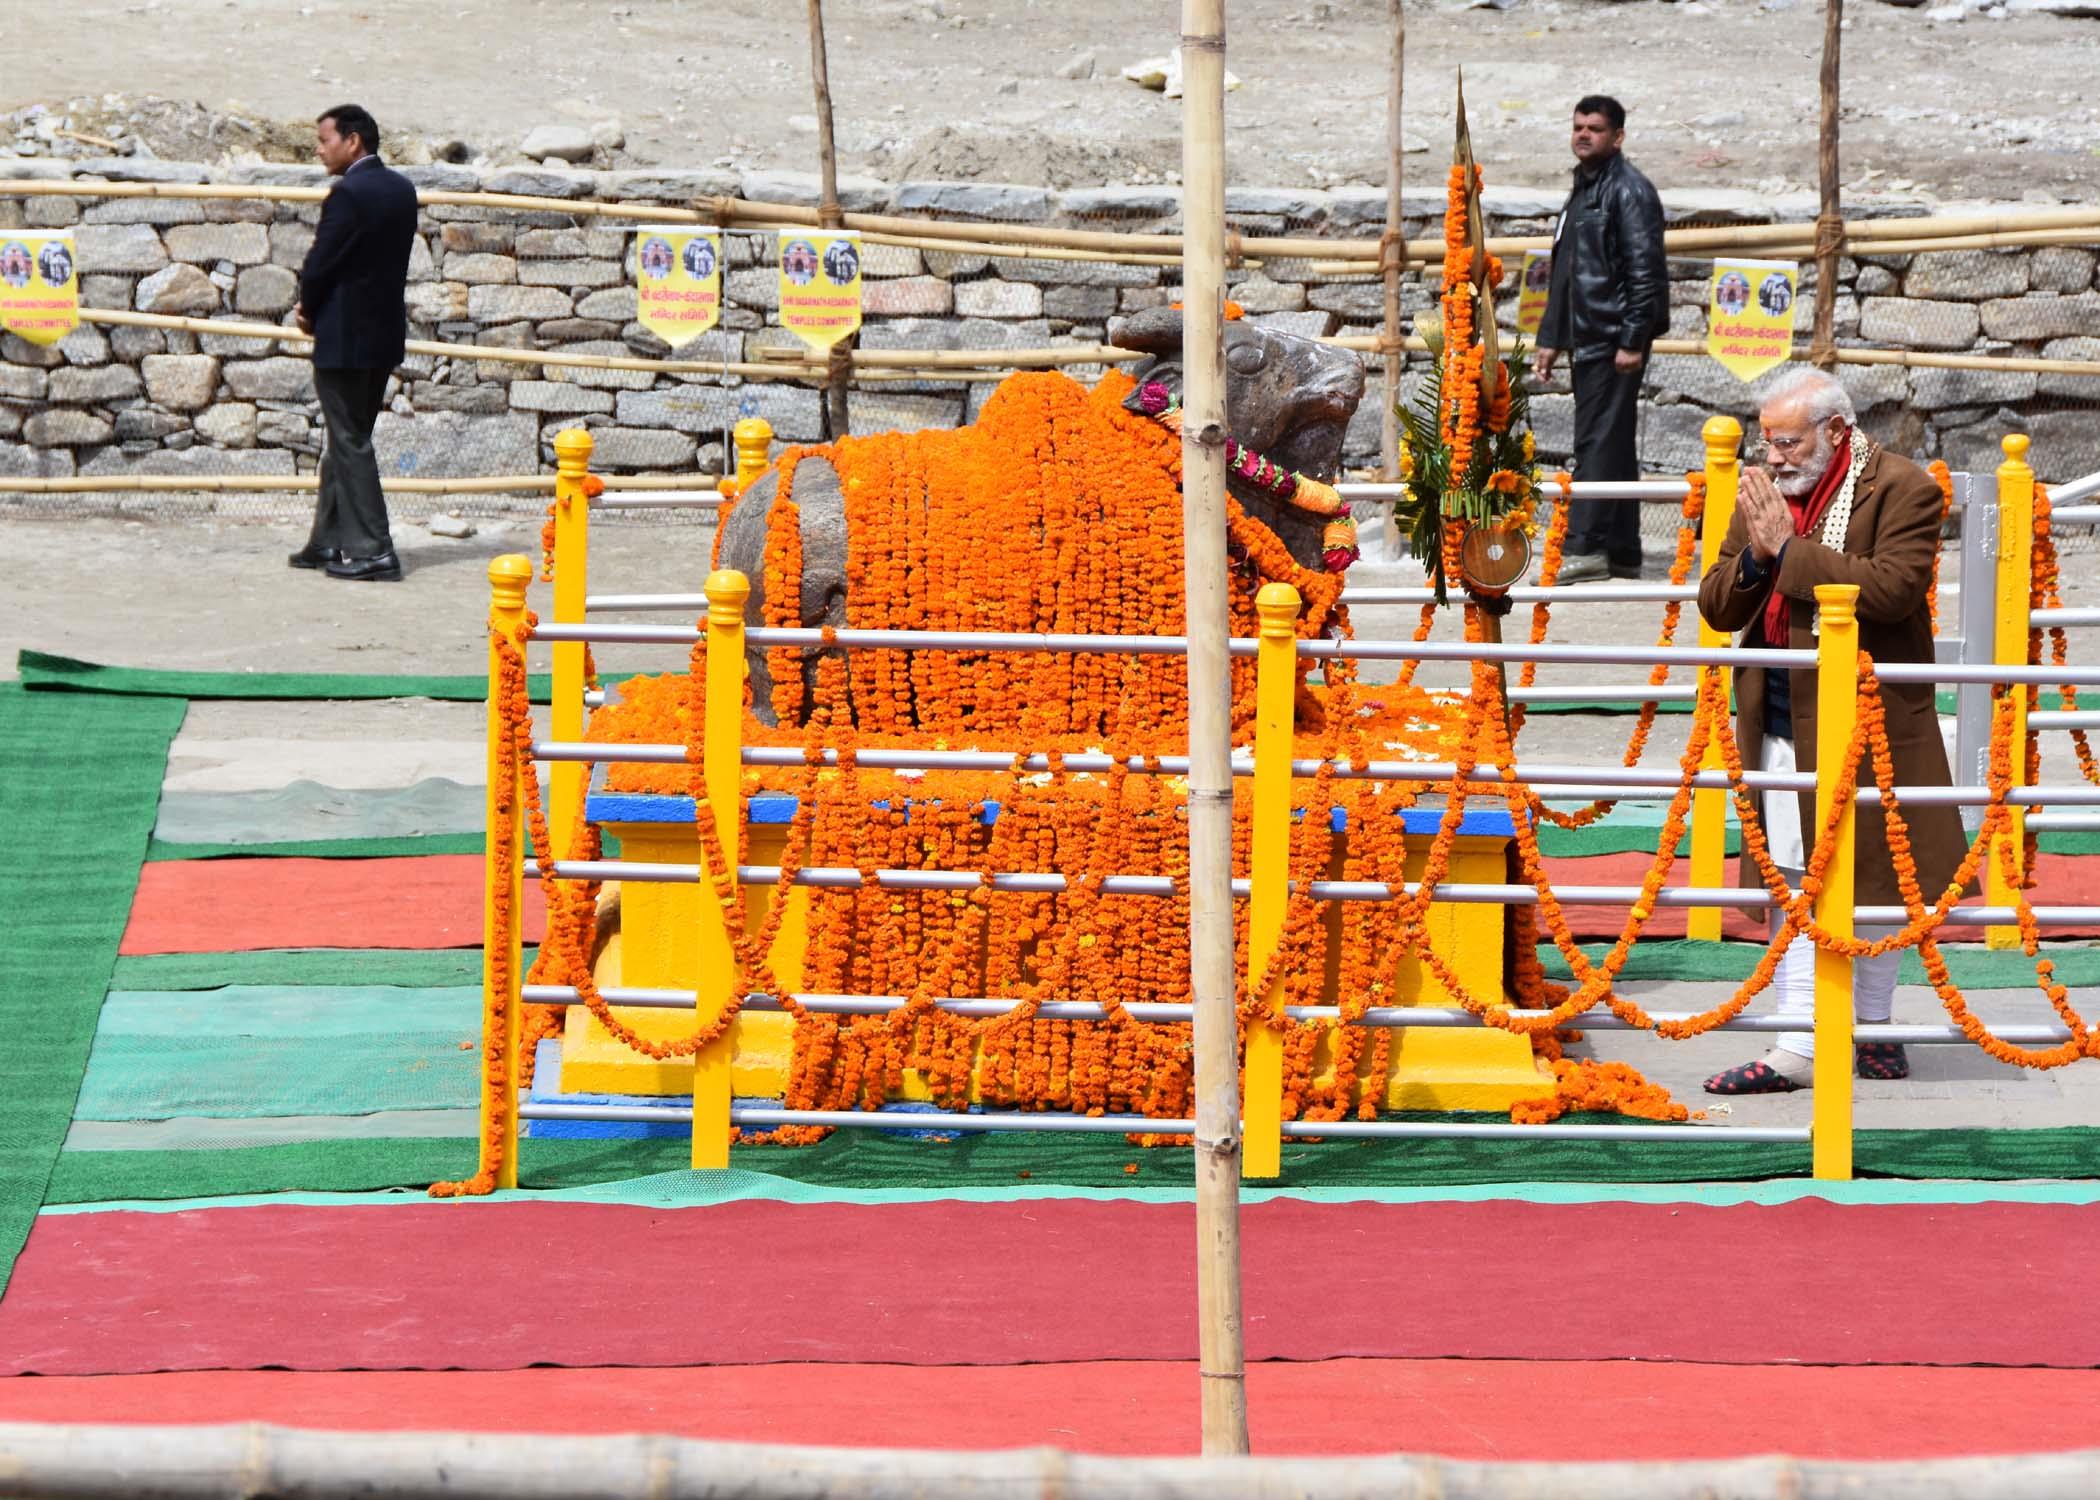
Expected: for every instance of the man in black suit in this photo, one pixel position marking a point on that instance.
(352, 300)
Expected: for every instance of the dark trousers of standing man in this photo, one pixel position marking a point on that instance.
(350, 517)
(1607, 412)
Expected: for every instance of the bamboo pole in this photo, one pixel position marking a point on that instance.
(839, 358)
(1222, 1352)
(1830, 221)
(1390, 251)
(496, 484)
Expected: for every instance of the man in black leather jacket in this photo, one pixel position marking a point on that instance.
(1609, 300)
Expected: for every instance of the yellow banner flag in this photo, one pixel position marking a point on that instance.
(820, 284)
(39, 284)
(1750, 315)
(678, 282)
(1531, 291)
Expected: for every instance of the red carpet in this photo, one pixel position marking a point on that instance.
(1467, 1409)
(437, 1286)
(235, 905)
(2066, 880)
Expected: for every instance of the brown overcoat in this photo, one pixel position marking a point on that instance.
(1890, 544)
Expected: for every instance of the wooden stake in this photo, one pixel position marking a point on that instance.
(839, 368)
(1391, 253)
(1830, 224)
(1206, 574)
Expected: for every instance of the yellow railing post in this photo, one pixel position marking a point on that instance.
(753, 437)
(1275, 695)
(1837, 710)
(722, 758)
(1724, 438)
(503, 893)
(566, 780)
(2015, 579)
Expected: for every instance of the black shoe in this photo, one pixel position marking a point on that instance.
(312, 557)
(385, 568)
(1625, 572)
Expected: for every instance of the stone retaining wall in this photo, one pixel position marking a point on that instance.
(117, 400)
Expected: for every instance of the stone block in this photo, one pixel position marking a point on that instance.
(279, 377)
(136, 343)
(552, 244)
(1258, 294)
(717, 344)
(570, 273)
(138, 169)
(21, 383)
(540, 182)
(477, 239)
(1872, 386)
(705, 410)
(879, 262)
(443, 177)
(1670, 438)
(95, 387)
(63, 427)
(558, 397)
(141, 424)
(637, 448)
(1935, 390)
(239, 211)
(567, 331)
(669, 185)
(1355, 301)
(862, 195)
(1966, 275)
(437, 302)
(2052, 268)
(908, 297)
(10, 421)
(243, 244)
(180, 290)
(758, 287)
(85, 345)
(1874, 281)
(603, 380)
(1915, 323)
(2034, 318)
(289, 244)
(16, 350)
(425, 395)
(503, 304)
(2066, 444)
(569, 142)
(2077, 387)
(955, 264)
(456, 445)
(991, 298)
(119, 247)
(50, 211)
(1304, 325)
(287, 429)
(1698, 379)
(276, 174)
(230, 424)
(482, 269)
(1075, 273)
(1008, 202)
(878, 411)
(615, 304)
(265, 291)
(1285, 203)
(265, 462)
(20, 461)
(422, 266)
(1079, 304)
(1121, 202)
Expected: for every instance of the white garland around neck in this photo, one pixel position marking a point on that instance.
(1838, 518)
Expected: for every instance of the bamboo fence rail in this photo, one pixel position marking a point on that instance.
(486, 484)
(71, 1462)
(1865, 236)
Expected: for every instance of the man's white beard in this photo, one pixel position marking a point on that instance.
(1803, 478)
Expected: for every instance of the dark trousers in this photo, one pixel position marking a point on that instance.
(351, 515)
(1607, 414)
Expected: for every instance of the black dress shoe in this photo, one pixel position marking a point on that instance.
(385, 568)
(312, 557)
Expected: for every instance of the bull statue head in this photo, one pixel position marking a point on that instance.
(1287, 398)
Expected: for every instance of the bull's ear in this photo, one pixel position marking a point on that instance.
(1156, 330)
(1166, 372)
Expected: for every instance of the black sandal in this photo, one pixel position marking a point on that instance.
(1758, 1077)
(1884, 1060)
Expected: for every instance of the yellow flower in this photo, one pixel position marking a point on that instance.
(1530, 446)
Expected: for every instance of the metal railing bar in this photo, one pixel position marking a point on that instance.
(2046, 617)
(1566, 593)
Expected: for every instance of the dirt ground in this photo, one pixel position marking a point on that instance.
(1722, 91)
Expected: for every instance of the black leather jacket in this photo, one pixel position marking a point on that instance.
(1610, 289)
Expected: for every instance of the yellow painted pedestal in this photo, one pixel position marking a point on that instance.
(657, 946)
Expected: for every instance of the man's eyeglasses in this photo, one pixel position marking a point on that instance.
(1785, 446)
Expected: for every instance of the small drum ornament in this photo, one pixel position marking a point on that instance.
(1492, 557)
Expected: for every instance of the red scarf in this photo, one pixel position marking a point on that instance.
(1807, 513)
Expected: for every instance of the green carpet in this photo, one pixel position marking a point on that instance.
(43, 671)
(437, 968)
(368, 848)
(82, 777)
(1972, 967)
(863, 1159)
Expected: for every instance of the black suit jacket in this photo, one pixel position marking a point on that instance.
(355, 276)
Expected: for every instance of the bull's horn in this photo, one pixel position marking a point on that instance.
(1156, 330)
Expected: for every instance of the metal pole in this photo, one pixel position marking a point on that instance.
(1979, 617)
(1205, 570)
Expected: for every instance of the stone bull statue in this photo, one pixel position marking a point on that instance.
(1288, 399)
